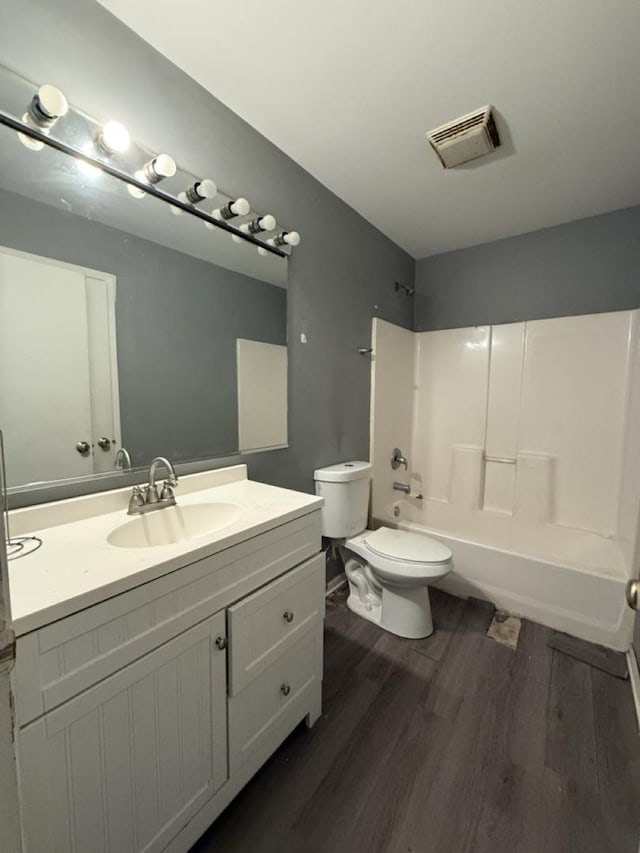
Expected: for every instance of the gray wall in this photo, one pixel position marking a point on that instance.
(583, 267)
(177, 321)
(340, 276)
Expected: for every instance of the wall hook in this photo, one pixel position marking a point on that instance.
(365, 350)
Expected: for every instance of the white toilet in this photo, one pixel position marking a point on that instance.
(388, 570)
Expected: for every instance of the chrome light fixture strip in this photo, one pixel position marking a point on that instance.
(149, 189)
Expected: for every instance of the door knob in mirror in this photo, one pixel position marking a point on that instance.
(83, 447)
(104, 443)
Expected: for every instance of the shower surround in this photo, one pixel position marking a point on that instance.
(524, 458)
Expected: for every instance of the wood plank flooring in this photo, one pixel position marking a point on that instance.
(454, 744)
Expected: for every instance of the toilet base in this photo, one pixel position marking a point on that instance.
(405, 612)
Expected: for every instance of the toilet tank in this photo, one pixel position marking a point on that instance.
(345, 489)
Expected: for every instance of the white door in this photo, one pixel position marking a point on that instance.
(123, 766)
(49, 313)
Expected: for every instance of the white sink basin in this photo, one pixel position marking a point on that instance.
(174, 524)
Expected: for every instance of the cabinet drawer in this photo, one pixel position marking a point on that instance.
(60, 660)
(266, 624)
(275, 702)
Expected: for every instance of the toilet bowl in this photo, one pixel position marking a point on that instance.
(388, 573)
(388, 570)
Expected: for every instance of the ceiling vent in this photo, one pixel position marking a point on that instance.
(465, 138)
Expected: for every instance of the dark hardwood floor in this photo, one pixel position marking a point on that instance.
(452, 744)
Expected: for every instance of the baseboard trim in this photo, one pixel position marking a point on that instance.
(634, 678)
(335, 584)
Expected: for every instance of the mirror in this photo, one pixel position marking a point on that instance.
(124, 326)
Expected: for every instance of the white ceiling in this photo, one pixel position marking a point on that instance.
(348, 88)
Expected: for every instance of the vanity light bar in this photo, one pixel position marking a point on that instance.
(49, 104)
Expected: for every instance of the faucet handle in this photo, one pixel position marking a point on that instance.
(167, 490)
(397, 459)
(136, 499)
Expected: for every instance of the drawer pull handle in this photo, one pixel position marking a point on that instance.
(287, 616)
(285, 689)
(222, 643)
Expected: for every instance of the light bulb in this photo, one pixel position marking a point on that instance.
(197, 192)
(201, 190)
(135, 191)
(289, 238)
(262, 223)
(46, 107)
(257, 226)
(264, 252)
(87, 169)
(114, 138)
(284, 238)
(162, 166)
(238, 207)
(155, 170)
(245, 229)
(28, 141)
(268, 223)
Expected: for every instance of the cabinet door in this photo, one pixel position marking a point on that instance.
(124, 765)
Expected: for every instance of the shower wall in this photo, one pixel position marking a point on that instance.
(523, 439)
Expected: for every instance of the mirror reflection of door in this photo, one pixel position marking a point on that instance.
(58, 376)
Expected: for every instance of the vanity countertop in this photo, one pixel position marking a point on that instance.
(76, 567)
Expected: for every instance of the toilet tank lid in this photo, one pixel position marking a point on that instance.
(343, 472)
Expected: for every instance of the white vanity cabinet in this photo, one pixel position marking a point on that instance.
(141, 717)
(123, 765)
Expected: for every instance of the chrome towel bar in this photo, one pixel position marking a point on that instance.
(504, 460)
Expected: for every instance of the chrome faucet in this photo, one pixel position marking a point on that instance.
(122, 459)
(149, 499)
(401, 487)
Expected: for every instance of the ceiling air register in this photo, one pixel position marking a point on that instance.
(466, 138)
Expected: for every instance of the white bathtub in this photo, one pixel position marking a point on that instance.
(585, 603)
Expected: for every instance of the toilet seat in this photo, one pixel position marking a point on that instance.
(406, 547)
(389, 553)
